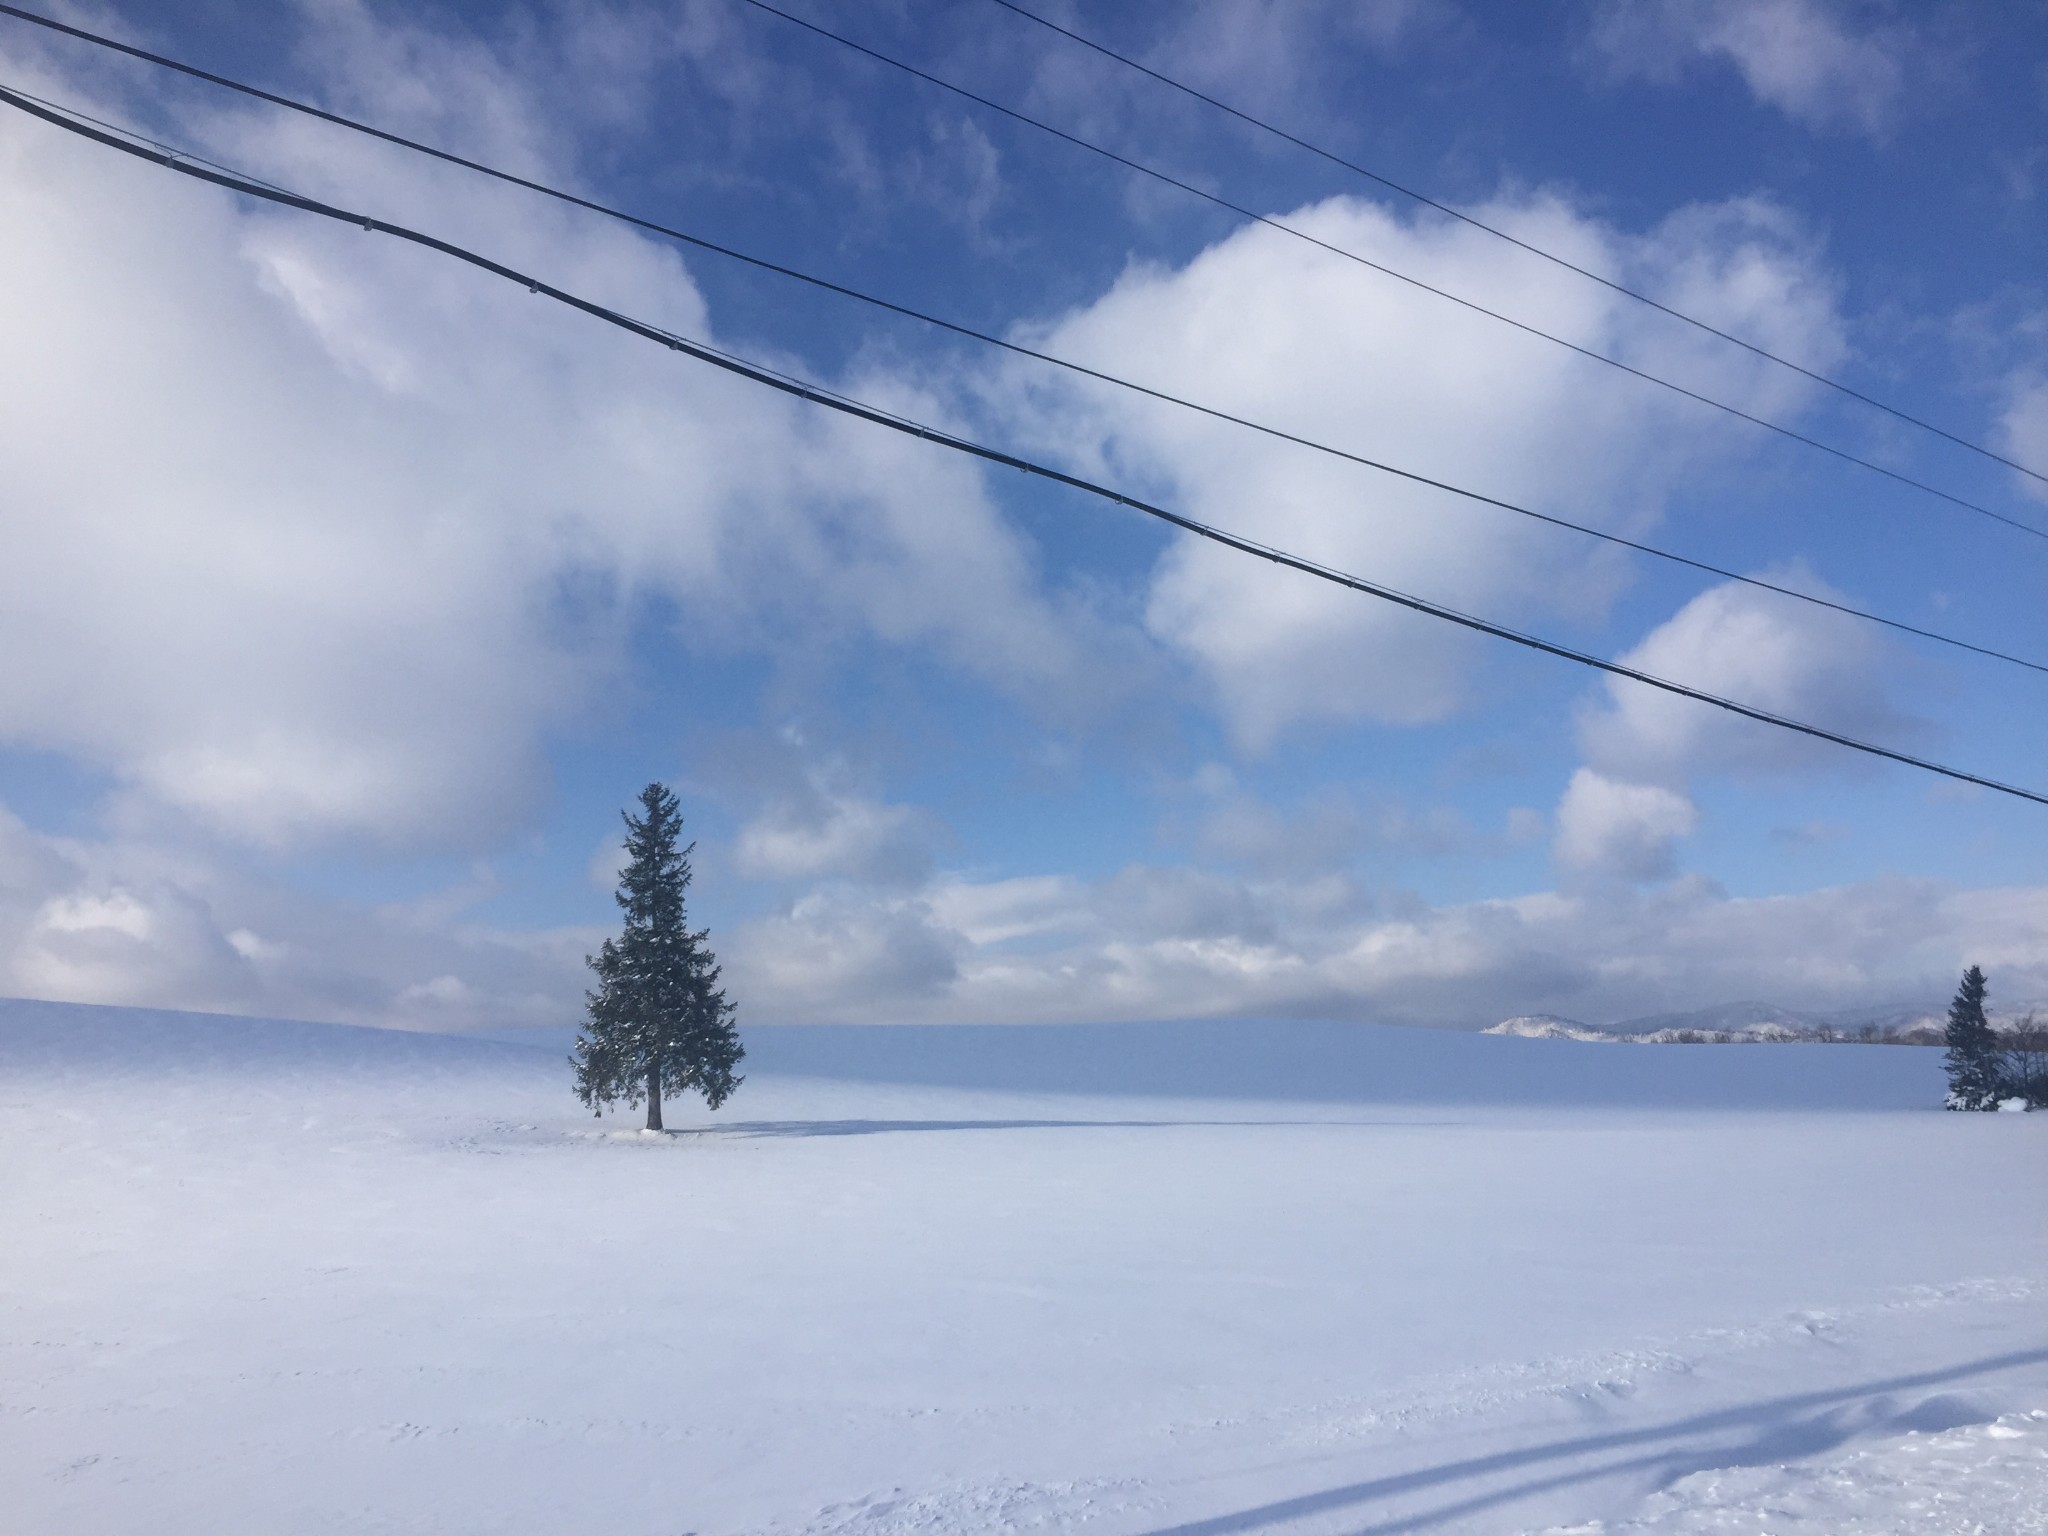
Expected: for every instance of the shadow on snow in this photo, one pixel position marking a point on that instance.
(870, 1127)
(1775, 1430)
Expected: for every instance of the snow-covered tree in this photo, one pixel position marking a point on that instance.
(657, 1022)
(1973, 1053)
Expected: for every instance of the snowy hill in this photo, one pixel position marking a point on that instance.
(1547, 1026)
(1730, 1023)
(1734, 1023)
(1758, 1021)
(1126, 1280)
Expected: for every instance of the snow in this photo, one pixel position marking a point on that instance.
(1549, 1026)
(1971, 1481)
(1133, 1280)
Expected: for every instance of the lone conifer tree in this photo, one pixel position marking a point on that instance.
(658, 1022)
(1973, 1056)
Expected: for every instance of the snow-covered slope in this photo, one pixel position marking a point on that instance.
(1731, 1024)
(1742, 1024)
(1547, 1026)
(1762, 1021)
(1148, 1279)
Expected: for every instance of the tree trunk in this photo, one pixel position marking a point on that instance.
(654, 1098)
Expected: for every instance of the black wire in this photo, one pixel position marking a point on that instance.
(848, 406)
(158, 145)
(1535, 250)
(1017, 348)
(1285, 228)
(1414, 282)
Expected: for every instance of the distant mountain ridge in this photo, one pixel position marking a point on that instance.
(1751, 1021)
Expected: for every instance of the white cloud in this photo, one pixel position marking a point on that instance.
(2024, 429)
(1164, 943)
(1808, 58)
(120, 945)
(1606, 826)
(313, 535)
(809, 814)
(997, 911)
(1270, 328)
(1283, 59)
(1623, 816)
(1263, 51)
(1756, 648)
(836, 835)
(310, 536)
(841, 953)
(120, 922)
(117, 921)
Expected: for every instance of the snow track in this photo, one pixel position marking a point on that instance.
(294, 1277)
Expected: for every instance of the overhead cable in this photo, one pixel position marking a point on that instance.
(1515, 240)
(1052, 359)
(859, 410)
(1296, 232)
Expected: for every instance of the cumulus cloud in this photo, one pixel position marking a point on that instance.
(312, 535)
(1756, 648)
(1624, 816)
(1270, 328)
(1820, 61)
(1607, 826)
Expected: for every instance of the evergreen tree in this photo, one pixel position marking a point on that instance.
(1973, 1055)
(658, 1022)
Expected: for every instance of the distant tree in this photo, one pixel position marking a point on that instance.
(1973, 1055)
(2023, 1066)
(657, 1022)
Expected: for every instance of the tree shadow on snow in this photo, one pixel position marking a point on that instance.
(1767, 1433)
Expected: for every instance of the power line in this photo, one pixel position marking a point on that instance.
(1021, 350)
(160, 146)
(849, 406)
(1167, 179)
(1535, 250)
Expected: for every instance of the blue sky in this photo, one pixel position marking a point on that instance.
(352, 596)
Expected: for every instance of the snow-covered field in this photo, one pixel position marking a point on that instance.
(1196, 1279)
